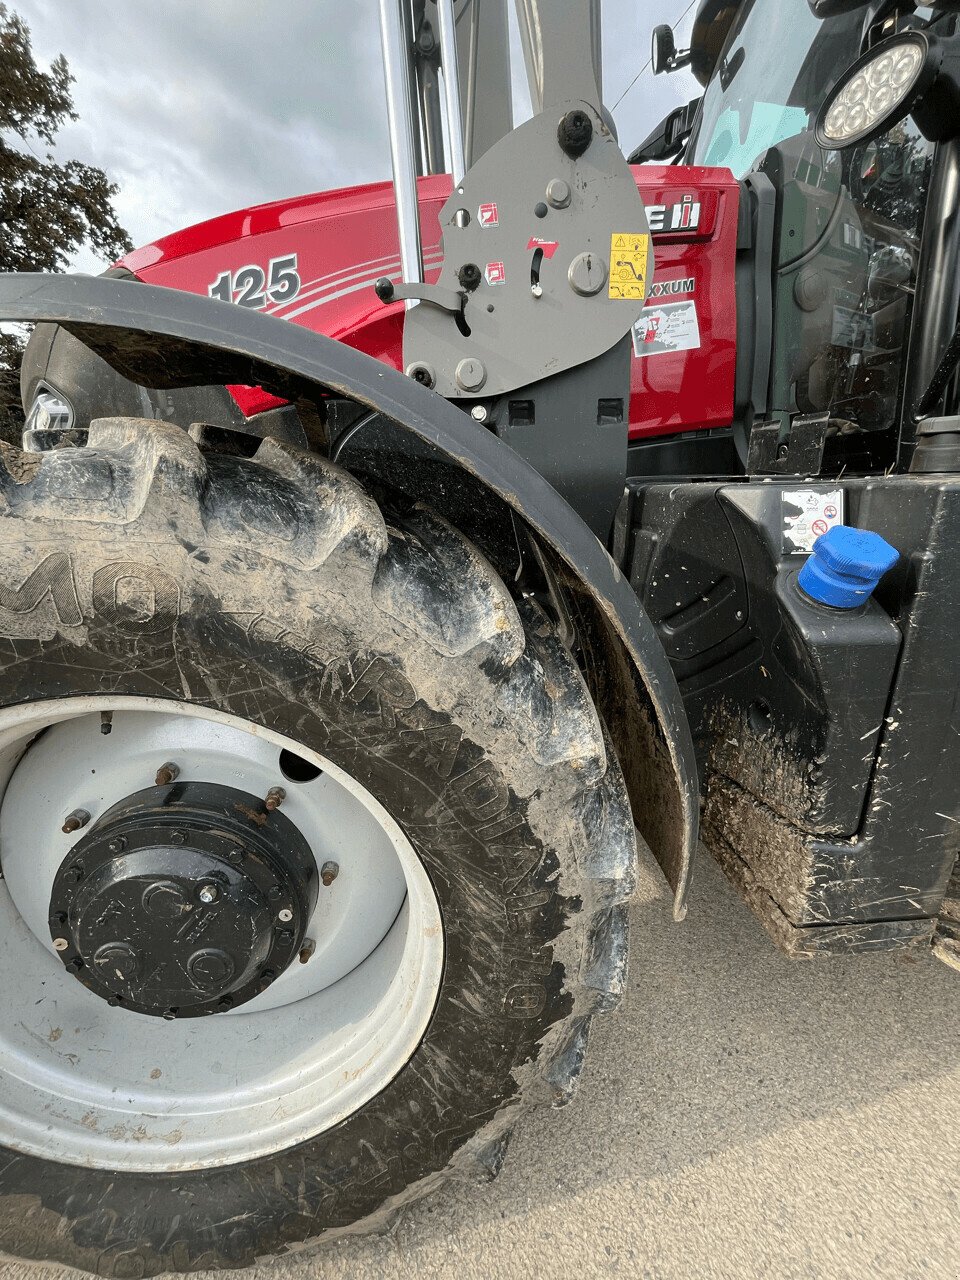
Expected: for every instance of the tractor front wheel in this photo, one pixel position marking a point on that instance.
(314, 855)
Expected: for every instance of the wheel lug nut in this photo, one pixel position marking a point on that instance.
(235, 855)
(118, 845)
(166, 774)
(75, 872)
(274, 799)
(285, 915)
(74, 821)
(114, 1000)
(329, 872)
(285, 935)
(60, 944)
(76, 964)
(170, 1014)
(208, 893)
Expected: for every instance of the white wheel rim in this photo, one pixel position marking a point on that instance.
(87, 1084)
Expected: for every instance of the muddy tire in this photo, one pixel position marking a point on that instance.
(270, 596)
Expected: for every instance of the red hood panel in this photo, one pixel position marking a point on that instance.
(314, 260)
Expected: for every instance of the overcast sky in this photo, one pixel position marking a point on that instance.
(196, 107)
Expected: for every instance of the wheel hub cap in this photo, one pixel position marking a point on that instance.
(183, 900)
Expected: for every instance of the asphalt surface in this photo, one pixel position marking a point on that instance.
(745, 1116)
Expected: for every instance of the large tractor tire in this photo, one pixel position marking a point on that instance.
(314, 855)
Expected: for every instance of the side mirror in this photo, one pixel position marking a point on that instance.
(668, 137)
(913, 73)
(664, 55)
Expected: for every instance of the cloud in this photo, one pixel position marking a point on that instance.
(194, 109)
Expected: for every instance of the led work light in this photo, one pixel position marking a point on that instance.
(912, 73)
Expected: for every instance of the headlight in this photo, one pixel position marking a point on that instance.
(897, 77)
(49, 419)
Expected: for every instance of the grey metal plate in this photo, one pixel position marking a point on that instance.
(517, 336)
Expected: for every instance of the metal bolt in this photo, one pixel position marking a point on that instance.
(235, 855)
(60, 944)
(114, 1000)
(537, 290)
(118, 845)
(307, 950)
(166, 774)
(76, 964)
(225, 1002)
(75, 872)
(471, 374)
(422, 373)
(106, 722)
(177, 837)
(470, 276)
(74, 821)
(274, 799)
(329, 872)
(274, 892)
(559, 193)
(285, 936)
(170, 1014)
(479, 413)
(208, 893)
(285, 915)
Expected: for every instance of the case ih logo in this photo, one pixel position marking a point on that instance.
(682, 216)
(488, 215)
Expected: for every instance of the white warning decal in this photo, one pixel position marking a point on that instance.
(496, 273)
(807, 513)
(666, 327)
(488, 215)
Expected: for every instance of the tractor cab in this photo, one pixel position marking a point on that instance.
(839, 231)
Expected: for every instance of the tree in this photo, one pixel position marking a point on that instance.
(48, 209)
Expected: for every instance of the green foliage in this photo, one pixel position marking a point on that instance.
(48, 208)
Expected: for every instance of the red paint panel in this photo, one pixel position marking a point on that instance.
(345, 240)
(689, 390)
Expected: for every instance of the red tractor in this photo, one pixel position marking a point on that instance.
(342, 659)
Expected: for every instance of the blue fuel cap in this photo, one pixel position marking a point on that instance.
(845, 566)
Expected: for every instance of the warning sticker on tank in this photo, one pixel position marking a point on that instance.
(495, 272)
(628, 265)
(806, 514)
(666, 327)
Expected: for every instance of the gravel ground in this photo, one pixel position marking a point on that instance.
(745, 1116)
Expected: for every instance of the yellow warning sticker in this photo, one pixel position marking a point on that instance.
(629, 252)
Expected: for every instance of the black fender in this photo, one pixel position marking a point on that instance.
(163, 338)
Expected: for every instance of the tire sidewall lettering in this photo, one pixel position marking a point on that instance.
(136, 598)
